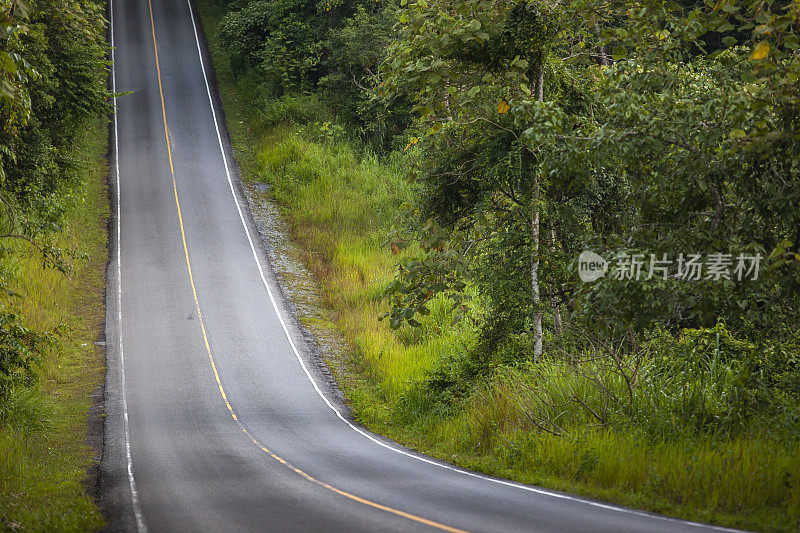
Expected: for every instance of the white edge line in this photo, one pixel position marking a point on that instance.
(355, 428)
(137, 508)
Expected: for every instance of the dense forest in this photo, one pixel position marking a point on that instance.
(512, 136)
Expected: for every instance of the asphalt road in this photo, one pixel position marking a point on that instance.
(221, 421)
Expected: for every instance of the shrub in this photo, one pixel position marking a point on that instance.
(18, 349)
(281, 39)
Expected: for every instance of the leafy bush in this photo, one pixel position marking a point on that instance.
(18, 352)
(332, 49)
(65, 47)
(282, 40)
(353, 65)
(244, 32)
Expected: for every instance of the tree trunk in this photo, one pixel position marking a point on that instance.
(537, 300)
(540, 84)
(601, 49)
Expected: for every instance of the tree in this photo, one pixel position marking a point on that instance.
(636, 137)
(463, 64)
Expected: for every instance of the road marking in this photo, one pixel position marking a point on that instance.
(255, 441)
(137, 508)
(528, 488)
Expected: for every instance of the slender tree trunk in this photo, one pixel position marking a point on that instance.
(601, 49)
(537, 300)
(540, 84)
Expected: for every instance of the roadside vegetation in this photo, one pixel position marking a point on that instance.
(53, 103)
(443, 165)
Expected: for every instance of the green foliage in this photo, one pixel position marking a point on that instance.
(19, 347)
(281, 40)
(333, 49)
(52, 84)
(65, 46)
(245, 31)
(355, 56)
(541, 130)
(298, 110)
(635, 139)
(52, 55)
(692, 185)
(481, 179)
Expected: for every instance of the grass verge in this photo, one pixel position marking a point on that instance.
(43, 451)
(339, 201)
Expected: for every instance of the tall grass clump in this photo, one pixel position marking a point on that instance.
(341, 200)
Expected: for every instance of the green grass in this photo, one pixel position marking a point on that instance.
(340, 201)
(43, 452)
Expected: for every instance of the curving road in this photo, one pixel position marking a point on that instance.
(217, 417)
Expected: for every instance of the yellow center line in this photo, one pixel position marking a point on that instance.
(255, 441)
